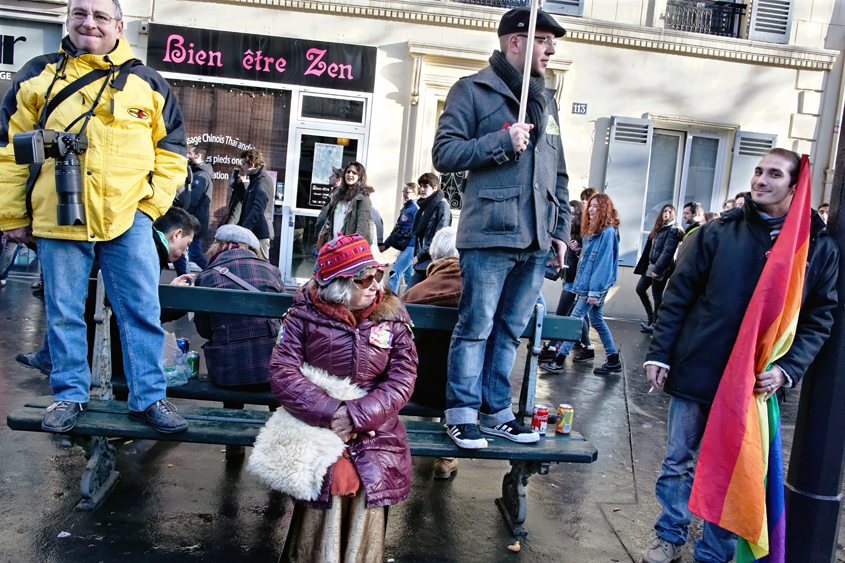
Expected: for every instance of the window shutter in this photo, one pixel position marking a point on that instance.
(749, 148)
(771, 20)
(564, 7)
(626, 179)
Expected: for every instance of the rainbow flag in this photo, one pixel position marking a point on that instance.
(739, 476)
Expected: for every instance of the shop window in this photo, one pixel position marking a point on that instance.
(649, 167)
(226, 121)
(334, 109)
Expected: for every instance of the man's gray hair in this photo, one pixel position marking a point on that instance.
(443, 244)
(338, 291)
(118, 11)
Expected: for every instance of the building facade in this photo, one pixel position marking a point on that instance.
(661, 101)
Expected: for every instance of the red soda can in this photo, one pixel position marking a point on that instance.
(565, 414)
(540, 420)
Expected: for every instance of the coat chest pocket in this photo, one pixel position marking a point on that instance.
(500, 209)
(130, 142)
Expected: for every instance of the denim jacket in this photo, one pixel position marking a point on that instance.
(598, 265)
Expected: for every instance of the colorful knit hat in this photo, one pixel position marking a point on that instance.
(345, 257)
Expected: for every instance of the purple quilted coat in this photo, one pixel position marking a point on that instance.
(382, 363)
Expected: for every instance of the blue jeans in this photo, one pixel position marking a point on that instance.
(401, 268)
(130, 268)
(500, 289)
(674, 483)
(583, 309)
(7, 258)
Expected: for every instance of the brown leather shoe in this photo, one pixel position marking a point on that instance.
(444, 467)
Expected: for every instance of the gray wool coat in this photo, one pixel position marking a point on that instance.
(506, 202)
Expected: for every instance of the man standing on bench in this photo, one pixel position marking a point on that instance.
(125, 178)
(515, 206)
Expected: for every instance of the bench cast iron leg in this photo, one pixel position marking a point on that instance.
(514, 504)
(99, 477)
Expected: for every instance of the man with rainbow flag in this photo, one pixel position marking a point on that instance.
(747, 309)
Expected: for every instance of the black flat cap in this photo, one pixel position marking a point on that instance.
(516, 20)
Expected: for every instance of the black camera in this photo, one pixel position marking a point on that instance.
(36, 146)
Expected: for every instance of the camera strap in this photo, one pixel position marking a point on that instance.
(244, 284)
(118, 83)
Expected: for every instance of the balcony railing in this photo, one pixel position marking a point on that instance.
(709, 17)
(497, 3)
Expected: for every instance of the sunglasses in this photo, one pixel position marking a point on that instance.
(367, 281)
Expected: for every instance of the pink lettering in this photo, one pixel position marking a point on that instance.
(249, 58)
(258, 60)
(178, 53)
(267, 61)
(333, 70)
(280, 64)
(348, 69)
(316, 55)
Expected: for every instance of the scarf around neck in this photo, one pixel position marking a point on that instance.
(341, 313)
(536, 90)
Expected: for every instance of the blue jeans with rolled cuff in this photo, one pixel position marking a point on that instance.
(500, 289)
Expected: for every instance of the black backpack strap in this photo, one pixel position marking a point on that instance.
(244, 284)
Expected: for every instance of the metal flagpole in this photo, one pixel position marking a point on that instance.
(529, 52)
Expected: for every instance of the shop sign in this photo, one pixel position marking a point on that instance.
(264, 58)
(21, 41)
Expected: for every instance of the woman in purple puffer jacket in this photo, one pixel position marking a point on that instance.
(342, 322)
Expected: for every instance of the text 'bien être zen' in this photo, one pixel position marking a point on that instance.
(177, 53)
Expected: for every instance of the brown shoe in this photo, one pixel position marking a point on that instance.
(444, 467)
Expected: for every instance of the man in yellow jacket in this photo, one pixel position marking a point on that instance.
(135, 160)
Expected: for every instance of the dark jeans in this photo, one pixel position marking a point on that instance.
(657, 288)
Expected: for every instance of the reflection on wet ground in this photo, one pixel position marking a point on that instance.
(186, 502)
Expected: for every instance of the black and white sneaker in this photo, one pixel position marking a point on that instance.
(514, 431)
(554, 366)
(466, 436)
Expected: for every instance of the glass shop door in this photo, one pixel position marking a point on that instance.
(317, 152)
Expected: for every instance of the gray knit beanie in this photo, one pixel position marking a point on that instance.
(234, 233)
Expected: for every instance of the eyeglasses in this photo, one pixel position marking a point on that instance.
(546, 41)
(100, 18)
(367, 281)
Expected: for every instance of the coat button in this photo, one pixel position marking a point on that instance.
(92, 235)
(537, 185)
(89, 172)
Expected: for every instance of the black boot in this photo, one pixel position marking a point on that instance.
(649, 326)
(613, 365)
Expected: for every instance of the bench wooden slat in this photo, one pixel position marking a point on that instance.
(203, 299)
(201, 389)
(240, 428)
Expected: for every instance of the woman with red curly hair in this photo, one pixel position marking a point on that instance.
(596, 275)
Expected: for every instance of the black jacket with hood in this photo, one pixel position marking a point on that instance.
(710, 290)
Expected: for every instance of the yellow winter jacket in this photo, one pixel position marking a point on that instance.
(136, 155)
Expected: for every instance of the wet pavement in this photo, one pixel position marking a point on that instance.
(186, 502)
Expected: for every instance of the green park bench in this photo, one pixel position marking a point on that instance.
(106, 416)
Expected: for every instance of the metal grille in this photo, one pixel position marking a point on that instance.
(710, 17)
(772, 16)
(753, 146)
(631, 133)
(453, 187)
